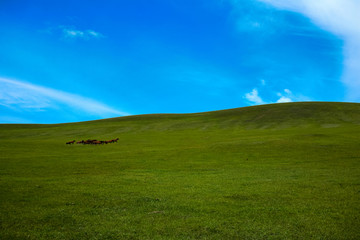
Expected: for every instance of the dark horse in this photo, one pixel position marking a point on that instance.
(71, 142)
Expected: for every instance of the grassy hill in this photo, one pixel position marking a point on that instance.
(280, 171)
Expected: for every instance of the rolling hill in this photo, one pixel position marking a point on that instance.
(279, 171)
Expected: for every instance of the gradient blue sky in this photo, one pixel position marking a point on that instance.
(65, 61)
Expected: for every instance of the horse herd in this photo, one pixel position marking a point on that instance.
(93, 141)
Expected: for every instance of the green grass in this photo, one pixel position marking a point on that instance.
(282, 171)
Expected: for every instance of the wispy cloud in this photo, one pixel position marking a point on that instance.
(12, 119)
(282, 97)
(254, 97)
(288, 96)
(18, 95)
(340, 17)
(73, 33)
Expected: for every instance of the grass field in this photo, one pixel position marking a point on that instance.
(281, 171)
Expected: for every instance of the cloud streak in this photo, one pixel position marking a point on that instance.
(18, 95)
(340, 17)
(72, 33)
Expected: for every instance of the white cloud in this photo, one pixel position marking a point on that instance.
(283, 99)
(288, 96)
(287, 91)
(21, 95)
(71, 32)
(254, 97)
(94, 34)
(340, 17)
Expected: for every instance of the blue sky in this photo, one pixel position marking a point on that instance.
(66, 61)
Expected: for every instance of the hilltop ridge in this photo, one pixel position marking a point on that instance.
(282, 115)
(261, 116)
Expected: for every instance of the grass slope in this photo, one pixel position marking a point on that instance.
(282, 171)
